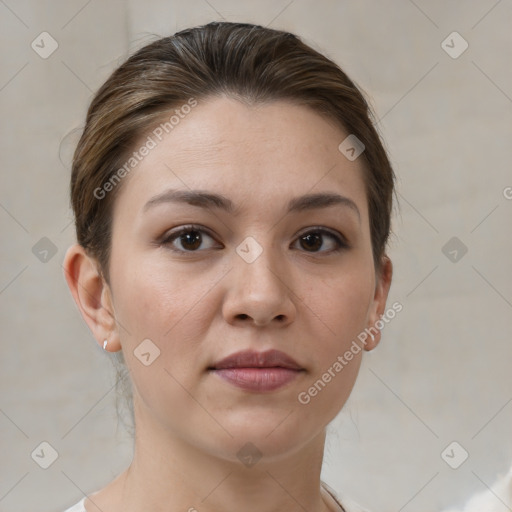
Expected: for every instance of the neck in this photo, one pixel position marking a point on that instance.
(169, 474)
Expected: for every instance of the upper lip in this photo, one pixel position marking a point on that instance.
(254, 359)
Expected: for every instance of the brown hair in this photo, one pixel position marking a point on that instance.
(247, 62)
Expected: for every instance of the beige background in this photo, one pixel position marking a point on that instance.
(442, 372)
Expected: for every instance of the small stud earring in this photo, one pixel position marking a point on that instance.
(105, 345)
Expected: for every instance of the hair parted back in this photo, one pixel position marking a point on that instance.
(248, 62)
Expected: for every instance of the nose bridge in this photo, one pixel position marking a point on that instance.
(259, 266)
(259, 288)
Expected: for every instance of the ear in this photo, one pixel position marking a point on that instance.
(92, 296)
(377, 308)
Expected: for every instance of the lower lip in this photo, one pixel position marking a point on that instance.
(258, 379)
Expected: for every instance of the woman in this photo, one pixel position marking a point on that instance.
(232, 202)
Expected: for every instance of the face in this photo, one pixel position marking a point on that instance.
(269, 251)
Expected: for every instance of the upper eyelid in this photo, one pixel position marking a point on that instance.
(175, 232)
(195, 227)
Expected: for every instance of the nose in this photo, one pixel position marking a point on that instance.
(259, 292)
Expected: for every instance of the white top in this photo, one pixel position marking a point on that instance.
(348, 505)
(79, 507)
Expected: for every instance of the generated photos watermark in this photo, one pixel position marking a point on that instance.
(304, 397)
(151, 142)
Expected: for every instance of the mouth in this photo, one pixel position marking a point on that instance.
(257, 371)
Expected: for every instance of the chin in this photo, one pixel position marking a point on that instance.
(280, 429)
(265, 436)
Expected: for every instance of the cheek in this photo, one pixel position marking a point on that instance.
(161, 306)
(150, 295)
(340, 306)
(168, 306)
(339, 311)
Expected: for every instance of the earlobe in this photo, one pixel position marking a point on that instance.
(92, 295)
(382, 286)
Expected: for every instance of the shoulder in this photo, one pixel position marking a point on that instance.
(78, 507)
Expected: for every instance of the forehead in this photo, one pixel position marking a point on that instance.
(250, 153)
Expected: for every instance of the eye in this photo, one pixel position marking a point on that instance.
(314, 239)
(189, 237)
(192, 237)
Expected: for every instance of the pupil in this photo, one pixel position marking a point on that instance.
(312, 238)
(187, 239)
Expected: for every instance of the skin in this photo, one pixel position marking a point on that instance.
(198, 307)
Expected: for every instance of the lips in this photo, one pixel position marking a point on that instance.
(257, 371)
(253, 359)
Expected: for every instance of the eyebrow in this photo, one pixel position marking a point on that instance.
(209, 200)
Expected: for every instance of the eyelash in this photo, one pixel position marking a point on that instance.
(340, 241)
